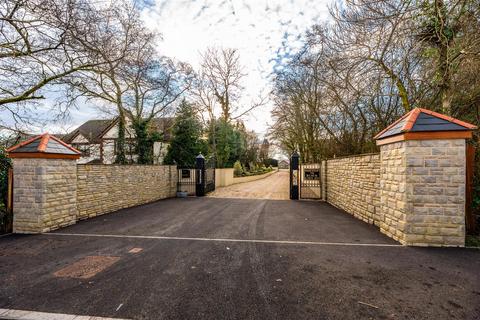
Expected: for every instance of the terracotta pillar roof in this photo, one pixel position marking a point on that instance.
(425, 124)
(43, 146)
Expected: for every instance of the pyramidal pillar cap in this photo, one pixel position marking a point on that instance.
(44, 146)
(423, 124)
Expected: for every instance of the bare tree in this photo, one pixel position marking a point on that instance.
(373, 62)
(140, 86)
(41, 42)
(218, 90)
(448, 27)
(221, 75)
(219, 85)
(155, 84)
(372, 38)
(115, 39)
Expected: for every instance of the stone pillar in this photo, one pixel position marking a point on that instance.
(422, 179)
(422, 195)
(45, 184)
(45, 194)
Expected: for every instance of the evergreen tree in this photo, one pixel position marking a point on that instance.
(145, 139)
(186, 143)
(229, 143)
(120, 157)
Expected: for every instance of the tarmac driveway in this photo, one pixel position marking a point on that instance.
(209, 258)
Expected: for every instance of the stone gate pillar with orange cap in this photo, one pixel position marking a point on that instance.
(45, 184)
(422, 179)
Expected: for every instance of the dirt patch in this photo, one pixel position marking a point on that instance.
(87, 267)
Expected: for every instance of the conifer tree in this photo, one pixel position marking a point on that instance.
(187, 140)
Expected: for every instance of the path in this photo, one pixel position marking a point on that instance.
(274, 187)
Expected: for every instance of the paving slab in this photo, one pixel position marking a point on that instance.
(12, 314)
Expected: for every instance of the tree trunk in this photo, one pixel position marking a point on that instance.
(402, 90)
(443, 63)
(214, 137)
(120, 150)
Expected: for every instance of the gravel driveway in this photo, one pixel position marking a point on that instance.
(273, 187)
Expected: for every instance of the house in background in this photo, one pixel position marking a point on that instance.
(97, 140)
(283, 164)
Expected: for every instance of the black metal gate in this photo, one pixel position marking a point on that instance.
(305, 179)
(187, 180)
(310, 181)
(210, 175)
(197, 181)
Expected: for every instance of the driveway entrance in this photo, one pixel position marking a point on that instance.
(273, 187)
(211, 258)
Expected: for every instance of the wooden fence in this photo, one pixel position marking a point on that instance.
(469, 216)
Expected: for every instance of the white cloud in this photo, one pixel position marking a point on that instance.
(263, 31)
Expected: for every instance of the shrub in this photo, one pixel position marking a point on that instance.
(237, 169)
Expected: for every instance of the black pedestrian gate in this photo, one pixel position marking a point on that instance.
(187, 180)
(210, 175)
(305, 179)
(310, 182)
(197, 181)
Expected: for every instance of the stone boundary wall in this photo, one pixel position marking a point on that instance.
(107, 188)
(353, 184)
(223, 177)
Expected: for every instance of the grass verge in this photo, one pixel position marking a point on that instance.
(472, 241)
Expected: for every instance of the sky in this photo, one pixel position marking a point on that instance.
(265, 33)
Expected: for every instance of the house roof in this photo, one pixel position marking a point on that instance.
(92, 130)
(423, 120)
(164, 126)
(41, 146)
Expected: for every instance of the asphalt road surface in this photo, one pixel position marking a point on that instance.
(211, 258)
